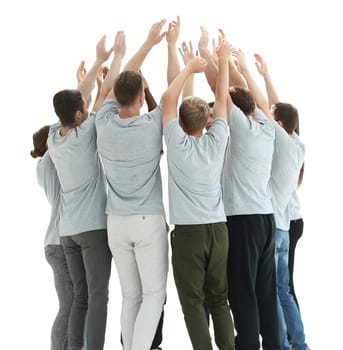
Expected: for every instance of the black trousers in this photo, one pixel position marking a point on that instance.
(295, 232)
(252, 281)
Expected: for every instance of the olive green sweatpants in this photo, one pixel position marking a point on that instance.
(199, 259)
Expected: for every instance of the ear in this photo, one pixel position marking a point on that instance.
(141, 98)
(78, 117)
(280, 123)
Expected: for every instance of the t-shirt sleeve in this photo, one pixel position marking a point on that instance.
(47, 178)
(282, 139)
(236, 118)
(259, 115)
(156, 113)
(173, 133)
(108, 108)
(219, 130)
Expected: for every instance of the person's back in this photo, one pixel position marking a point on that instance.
(130, 150)
(247, 167)
(194, 167)
(81, 176)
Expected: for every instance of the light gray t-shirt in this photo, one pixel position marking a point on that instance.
(48, 180)
(130, 150)
(294, 207)
(194, 169)
(247, 165)
(83, 184)
(288, 158)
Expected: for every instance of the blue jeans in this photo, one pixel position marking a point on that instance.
(288, 313)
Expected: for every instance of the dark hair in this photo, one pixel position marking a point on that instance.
(287, 114)
(40, 138)
(127, 87)
(194, 113)
(211, 104)
(66, 104)
(243, 99)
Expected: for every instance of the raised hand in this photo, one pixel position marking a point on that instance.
(81, 72)
(119, 46)
(261, 65)
(240, 60)
(197, 65)
(173, 31)
(155, 35)
(203, 41)
(101, 53)
(186, 52)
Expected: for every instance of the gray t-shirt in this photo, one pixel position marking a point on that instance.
(83, 184)
(130, 151)
(294, 207)
(48, 180)
(194, 170)
(247, 165)
(288, 158)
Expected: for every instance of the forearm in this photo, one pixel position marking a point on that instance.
(174, 90)
(260, 99)
(111, 75)
(236, 78)
(137, 60)
(211, 68)
(87, 84)
(173, 67)
(271, 92)
(222, 86)
(188, 87)
(149, 99)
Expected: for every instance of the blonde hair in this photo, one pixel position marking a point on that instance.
(193, 113)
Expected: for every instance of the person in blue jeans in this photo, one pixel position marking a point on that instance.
(288, 158)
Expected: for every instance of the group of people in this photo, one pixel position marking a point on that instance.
(233, 169)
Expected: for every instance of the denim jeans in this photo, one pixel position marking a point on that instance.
(89, 262)
(288, 312)
(64, 288)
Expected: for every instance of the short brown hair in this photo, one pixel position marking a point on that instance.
(243, 99)
(40, 138)
(127, 87)
(287, 114)
(194, 113)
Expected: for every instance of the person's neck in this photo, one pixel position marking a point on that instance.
(129, 112)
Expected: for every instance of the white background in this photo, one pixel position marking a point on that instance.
(42, 43)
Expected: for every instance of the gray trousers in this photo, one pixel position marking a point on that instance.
(64, 288)
(89, 262)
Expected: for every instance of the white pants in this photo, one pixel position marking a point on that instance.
(139, 245)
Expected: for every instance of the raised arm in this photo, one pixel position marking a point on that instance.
(80, 74)
(262, 68)
(187, 54)
(88, 82)
(260, 99)
(224, 51)
(106, 92)
(171, 95)
(173, 67)
(149, 98)
(154, 37)
(211, 69)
